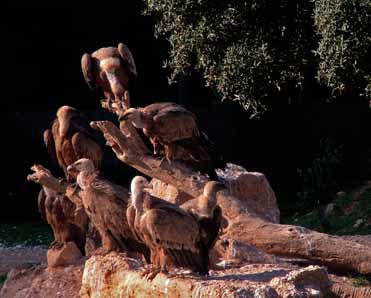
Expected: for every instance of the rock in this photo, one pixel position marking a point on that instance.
(308, 282)
(114, 275)
(41, 282)
(229, 253)
(168, 192)
(68, 254)
(252, 188)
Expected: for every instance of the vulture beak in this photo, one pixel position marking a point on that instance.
(32, 177)
(71, 168)
(114, 82)
(126, 116)
(149, 188)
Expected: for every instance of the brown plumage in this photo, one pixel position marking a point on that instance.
(70, 139)
(111, 70)
(172, 128)
(207, 213)
(106, 204)
(172, 235)
(57, 210)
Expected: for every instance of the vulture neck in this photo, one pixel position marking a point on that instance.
(49, 192)
(82, 178)
(50, 185)
(138, 199)
(206, 205)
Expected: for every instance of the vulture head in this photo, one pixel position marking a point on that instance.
(110, 70)
(43, 176)
(138, 185)
(64, 116)
(135, 116)
(82, 165)
(40, 174)
(208, 201)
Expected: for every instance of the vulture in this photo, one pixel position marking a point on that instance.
(207, 213)
(57, 209)
(70, 139)
(110, 70)
(172, 129)
(106, 204)
(171, 234)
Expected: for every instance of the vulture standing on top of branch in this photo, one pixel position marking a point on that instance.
(58, 210)
(207, 213)
(172, 235)
(172, 128)
(111, 70)
(105, 204)
(70, 139)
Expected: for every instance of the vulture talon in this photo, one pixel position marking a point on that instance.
(53, 244)
(151, 273)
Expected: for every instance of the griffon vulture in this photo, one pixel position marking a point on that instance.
(207, 213)
(111, 70)
(57, 209)
(172, 128)
(70, 139)
(172, 235)
(106, 204)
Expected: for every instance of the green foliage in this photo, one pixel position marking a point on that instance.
(341, 221)
(253, 51)
(245, 49)
(27, 234)
(361, 281)
(344, 49)
(319, 180)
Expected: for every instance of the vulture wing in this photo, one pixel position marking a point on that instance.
(107, 188)
(171, 229)
(88, 66)
(41, 203)
(68, 155)
(85, 147)
(130, 216)
(173, 122)
(211, 227)
(50, 144)
(128, 59)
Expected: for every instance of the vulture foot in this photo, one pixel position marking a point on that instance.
(183, 273)
(56, 245)
(151, 272)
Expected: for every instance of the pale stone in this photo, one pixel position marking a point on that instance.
(68, 254)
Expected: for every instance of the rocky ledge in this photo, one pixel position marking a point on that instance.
(114, 275)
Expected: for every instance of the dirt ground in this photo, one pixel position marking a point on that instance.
(21, 257)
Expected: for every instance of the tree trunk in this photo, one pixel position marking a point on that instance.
(243, 223)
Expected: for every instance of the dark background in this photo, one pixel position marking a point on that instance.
(41, 50)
